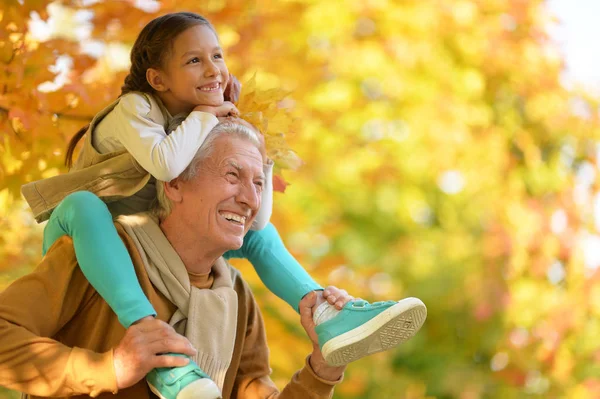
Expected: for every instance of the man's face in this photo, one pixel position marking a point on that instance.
(221, 202)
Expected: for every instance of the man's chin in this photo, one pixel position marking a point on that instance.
(236, 244)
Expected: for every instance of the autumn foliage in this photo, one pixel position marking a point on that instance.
(442, 158)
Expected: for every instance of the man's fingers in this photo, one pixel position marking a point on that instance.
(341, 302)
(138, 352)
(172, 345)
(154, 336)
(336, 297)
(306, 305)
(152, 326)
(169, 361)
(164, 340)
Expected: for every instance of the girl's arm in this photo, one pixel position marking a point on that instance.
(266, 205)
(163, 156)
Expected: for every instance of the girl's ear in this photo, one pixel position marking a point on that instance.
(155, 79)
(173, 190)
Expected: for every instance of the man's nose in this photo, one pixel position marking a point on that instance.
(249, 196)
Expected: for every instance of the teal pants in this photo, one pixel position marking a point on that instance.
(106, 264)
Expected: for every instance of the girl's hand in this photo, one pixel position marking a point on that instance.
(232, 90)
(225, 109)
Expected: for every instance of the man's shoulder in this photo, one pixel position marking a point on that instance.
(121, 231)
(59, 264)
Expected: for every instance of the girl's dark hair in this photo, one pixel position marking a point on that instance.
(150, 50)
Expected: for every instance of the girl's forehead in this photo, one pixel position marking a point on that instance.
(200, 37)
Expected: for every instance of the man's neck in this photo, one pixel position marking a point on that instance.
(194, 256)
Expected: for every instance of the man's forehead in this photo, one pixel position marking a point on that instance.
(237, 152)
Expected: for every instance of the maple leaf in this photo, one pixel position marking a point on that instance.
(279, 183)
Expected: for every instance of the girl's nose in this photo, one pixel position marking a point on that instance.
(211, 69)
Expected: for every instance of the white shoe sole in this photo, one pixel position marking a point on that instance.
(388, 329)
(204, 388)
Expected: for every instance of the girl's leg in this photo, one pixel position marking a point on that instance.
(101, 254)
(358, 330)
(276, 267)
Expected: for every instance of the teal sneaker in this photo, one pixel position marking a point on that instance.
(187, 382)
(361, 329)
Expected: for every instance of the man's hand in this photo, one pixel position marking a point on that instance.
(225, 109)
(317, 361)
(337, 297)
(232, 90)
(139, 351)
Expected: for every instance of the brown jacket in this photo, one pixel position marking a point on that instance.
(57, 335)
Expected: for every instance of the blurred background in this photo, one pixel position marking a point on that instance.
(450, 152)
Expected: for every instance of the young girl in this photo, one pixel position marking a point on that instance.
(177, 67)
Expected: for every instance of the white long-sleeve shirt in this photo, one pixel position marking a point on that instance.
(129, 126)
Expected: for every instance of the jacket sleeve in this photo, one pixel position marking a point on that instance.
(35, 308)
(163, 156)
(253, 378)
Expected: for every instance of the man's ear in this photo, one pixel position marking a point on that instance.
(155, 79)
(173, 190)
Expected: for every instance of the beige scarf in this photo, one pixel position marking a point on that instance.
(207, 317)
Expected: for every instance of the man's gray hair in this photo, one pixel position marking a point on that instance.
(163, 206)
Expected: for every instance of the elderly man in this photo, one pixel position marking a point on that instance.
(59, 338)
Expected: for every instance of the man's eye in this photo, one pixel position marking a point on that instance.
(234, 174)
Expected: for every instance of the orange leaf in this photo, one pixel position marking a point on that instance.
(279, 184)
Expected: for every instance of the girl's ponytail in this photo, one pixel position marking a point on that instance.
(136, 79)
(72, 144)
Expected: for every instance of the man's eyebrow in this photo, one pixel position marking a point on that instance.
(196, 51)
(231, 162)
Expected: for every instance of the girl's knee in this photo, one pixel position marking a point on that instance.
(83, 205)
(83, 200)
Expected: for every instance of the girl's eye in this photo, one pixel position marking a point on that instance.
(218, 56)
(194, 60)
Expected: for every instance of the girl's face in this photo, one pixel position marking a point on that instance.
(194, 72)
